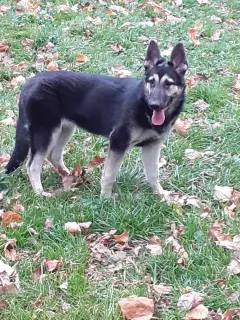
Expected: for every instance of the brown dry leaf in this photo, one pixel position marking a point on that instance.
(203, 1)
(182, 127)
(236, 83)
(4, 159)
(33, 232)
(8, 121)
(122, 238)
(160, 290)
(19, 67)
(3, 305)
(85, 226)
(16, 82)
(234, 266)
(157, 20)
(195, 32)
(222, 193)
(11, 219)
(62, 8)
(229, 210)
(121, 72)
(29, 6)
(199, 313)
(9, 250)
(18, 208)
(27, 43)
(96, 162)
(177, 249)
(1, 195)
(117, 48)
(111, 13)
(9, 282)
(194, 80)
(144, 40)
(4, 8)
(155, 249)
(81, 58)
(76, 178)
(191, 154)
(87, 7)
(88, 33)
(137, 308)
(216, 35)
(4, 47)
(48, 224)
(52, 265)
(189, 301)
(97, 21)
(38, 274)
(176, 230)
(201, 105)
(119, 9)
(72, 228)
(52, 66)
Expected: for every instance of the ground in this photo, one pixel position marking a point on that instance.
(135, 209)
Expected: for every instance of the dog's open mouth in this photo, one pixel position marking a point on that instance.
(158, 117)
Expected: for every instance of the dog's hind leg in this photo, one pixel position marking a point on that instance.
(150, 158)
(55, 156)
(41, 142)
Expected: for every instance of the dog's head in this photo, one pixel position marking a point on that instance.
(164, 80)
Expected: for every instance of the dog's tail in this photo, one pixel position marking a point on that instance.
(21, 148)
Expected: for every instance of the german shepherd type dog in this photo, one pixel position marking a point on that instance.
(130, 112)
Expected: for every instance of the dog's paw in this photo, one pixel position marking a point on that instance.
(105, 195)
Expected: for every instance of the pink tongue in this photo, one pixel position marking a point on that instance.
(158, 117)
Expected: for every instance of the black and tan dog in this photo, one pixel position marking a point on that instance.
(130, 112)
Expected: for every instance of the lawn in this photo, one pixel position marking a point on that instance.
(81, 40)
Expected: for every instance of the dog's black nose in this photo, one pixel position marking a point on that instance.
(154, 106)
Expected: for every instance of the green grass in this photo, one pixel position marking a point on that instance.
(136, 210)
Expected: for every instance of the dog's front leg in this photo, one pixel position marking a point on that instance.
(111, 167)
(150, 158)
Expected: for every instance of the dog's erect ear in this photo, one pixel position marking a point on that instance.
(178, 58)
(152, 56)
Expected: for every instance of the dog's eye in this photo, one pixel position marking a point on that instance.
(168, 83)
(151, 81)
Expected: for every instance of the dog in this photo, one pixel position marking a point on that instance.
(128, 111)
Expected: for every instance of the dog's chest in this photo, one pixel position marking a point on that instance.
(141, 136)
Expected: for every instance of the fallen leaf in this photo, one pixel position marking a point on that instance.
(3, 305)
(18, 208)
(33, 232)
(236, 83)
(160, 290)
(117, 48)
(48, 224)
(4, 47)
(144, 40)
(19, 67)
(119, 9)
(88, 33)
(11, 219)
(234, 266)
(189, 301)
(1, 195)
(216, 35)
(52, 265)
(4, 8)
(176, 230)
(16, 82)
(30, 7)
(81, 58)
(201, 105)
(62, 8)
(72, 228)
(203, 1)
(38, 274)
(222, 193)
(96, 162)
(121, 72)
(4, 159)
(10, 251)
(195, 32)
(194, 80)
(199, 313)
(191, 154)
(182, 127)
(97, 21)
(230, 209)
(77, 177)
(9, 281)
(155, 249)
(177, 249)
(52, 66)
(111, 13)
(122, 238)
(137, 308)
(157, 20)
(8, 121)
(28, 44)
(85, 226)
